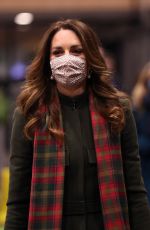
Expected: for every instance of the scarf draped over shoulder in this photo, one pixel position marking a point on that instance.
(48, 170)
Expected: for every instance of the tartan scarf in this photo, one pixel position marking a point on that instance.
(48, 170)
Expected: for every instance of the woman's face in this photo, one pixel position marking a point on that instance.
(65, 41)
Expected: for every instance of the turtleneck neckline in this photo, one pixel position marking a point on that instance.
(74, 102)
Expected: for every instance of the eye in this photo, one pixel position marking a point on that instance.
(77, 51)
(57, 52)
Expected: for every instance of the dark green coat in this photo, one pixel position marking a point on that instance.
(21, 169)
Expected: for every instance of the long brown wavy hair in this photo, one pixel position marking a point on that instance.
(39, 90)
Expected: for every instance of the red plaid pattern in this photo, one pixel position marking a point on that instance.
(110, 174)
(46, 200)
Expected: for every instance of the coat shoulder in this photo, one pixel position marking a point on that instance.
(126, 103)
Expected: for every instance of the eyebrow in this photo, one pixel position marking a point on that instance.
(60, 47)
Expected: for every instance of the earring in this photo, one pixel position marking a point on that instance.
(89, 73)
(51, 77)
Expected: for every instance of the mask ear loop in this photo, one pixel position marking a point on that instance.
(51, 76)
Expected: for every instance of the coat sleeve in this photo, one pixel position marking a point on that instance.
(21, 154)
(139, 211)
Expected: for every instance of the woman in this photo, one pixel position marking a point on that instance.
(77, 165)
(141, 105)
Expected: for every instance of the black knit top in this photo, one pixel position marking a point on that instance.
(81, 193)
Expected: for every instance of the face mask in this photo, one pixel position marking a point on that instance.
(68, 70)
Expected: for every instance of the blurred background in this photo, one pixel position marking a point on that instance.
(122, 26)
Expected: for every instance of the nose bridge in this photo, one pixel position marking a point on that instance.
(67, 51)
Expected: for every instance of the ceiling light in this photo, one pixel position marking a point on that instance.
(23, 18)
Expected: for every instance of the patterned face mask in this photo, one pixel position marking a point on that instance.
(68, 70)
